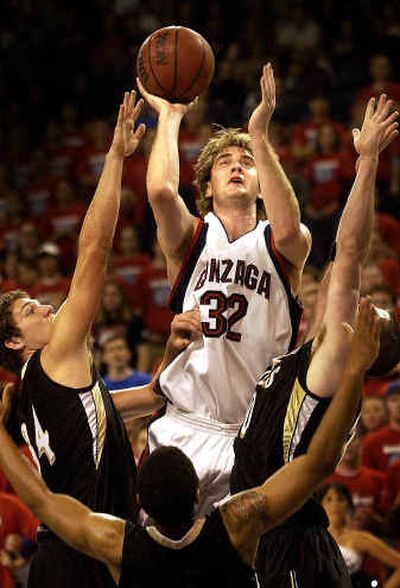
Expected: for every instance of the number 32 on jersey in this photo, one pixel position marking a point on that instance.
(217, 323)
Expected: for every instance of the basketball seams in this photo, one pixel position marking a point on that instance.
(178, 65)
(176, 53)
(151, 67)
(197, 75)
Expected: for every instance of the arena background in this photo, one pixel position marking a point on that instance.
(63, 69)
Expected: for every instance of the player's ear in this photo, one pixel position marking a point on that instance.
(208, 193)
(14, 343)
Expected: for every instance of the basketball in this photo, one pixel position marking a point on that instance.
(175, 63)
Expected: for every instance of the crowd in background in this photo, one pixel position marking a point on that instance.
(63, 70)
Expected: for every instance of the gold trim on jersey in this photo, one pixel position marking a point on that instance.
(101, 419)
(292, 413)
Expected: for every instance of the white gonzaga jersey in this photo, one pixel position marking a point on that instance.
(248, 314)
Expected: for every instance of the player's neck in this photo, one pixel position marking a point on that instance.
(175, 532)
(237, 221)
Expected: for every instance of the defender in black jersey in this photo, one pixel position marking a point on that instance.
(294, 393)
(177, 549)
(66, 416)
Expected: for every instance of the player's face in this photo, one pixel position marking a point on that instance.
(336, 505)
(233, 177)
(34, 320)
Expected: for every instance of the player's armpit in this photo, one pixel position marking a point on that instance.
(246, 518)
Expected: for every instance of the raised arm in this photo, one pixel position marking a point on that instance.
(144, 400)
(67, 348)
(292, 239)
(250, 514)
(352, 243)
(175, 224)
(99, 536)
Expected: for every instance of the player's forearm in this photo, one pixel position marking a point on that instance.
(101, 218)
(356, 224)
(137, 402)
(325, 449)
(23, 477)
(163, 168)
(279, 198)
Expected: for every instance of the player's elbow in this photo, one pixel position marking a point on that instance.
(161, 193)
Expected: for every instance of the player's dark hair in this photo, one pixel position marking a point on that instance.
(9, 358)
(340, 489)
(389, 350)
(167, 486)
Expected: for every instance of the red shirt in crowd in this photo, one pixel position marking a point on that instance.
(305, 134)
(381, 448)
(325, 174)
(155, 291)
(391, 487)
(128, 270)
(15, 518)
(366, 487)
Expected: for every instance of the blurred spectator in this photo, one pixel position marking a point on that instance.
(391, 490)
(133, 203)
(382, 448)
(51, 287)
(324, 171)
(28, 242)
(91, 156)
(297, 30)
(381, 72)
(116, 318)
(374, 414)
(65, 217)
(15, 557)
(355, 545)
(117, 359)
(157, 317)
(365, 485)
(128, 262)
(15, 518)
(305, 135)
(27, 276)
(40, 186)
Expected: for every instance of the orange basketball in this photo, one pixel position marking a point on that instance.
(175, 63)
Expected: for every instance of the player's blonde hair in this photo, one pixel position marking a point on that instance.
(221, 139)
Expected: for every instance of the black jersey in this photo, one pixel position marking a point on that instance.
(79, 442)
(279, 424)
(280, 421)
(204, 557)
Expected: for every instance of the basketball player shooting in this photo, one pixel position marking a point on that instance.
(178, 549)
(294, 393)
(242, 272)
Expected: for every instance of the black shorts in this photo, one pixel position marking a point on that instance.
(301, 557)
(56, 565)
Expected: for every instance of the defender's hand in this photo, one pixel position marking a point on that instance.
(379, 128)
(126, 137)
